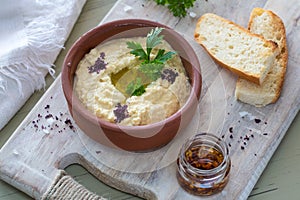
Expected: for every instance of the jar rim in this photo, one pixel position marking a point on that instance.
(219, 144)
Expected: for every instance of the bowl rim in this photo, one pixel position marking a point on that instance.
(75, 103)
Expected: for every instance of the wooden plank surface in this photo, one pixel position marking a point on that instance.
(279, 114)
(92, 13)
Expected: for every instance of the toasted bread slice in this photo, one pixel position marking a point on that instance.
(271, 27)
(236, 48)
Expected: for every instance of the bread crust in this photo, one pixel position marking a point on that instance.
(278, 71)
(255, 78)
(277, 21)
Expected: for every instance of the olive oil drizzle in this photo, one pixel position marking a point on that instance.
(125, 76)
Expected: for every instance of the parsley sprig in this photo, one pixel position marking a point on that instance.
(153, 40)
(151, 67)
(177, 7)
(135, 87)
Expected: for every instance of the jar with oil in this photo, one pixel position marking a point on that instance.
(203, 165)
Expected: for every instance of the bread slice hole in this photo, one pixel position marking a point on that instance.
(278, 37)
(266, 45)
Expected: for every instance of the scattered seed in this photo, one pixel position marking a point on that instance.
(257, 120)
(247, 138)
(48, 116)
(68, 122)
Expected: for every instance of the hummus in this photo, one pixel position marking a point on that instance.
(103, 74)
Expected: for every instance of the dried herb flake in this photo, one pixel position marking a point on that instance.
(120, 112)
(169, 75)
(99, 65)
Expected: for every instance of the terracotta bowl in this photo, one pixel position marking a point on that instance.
(130, 138)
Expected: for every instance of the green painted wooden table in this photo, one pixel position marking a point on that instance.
(280, 179)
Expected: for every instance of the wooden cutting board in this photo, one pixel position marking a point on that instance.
(41, 146)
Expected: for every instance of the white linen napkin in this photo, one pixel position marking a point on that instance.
(32, 33)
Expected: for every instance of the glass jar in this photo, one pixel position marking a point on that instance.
(203, 165)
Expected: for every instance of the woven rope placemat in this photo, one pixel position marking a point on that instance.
(65, 187)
